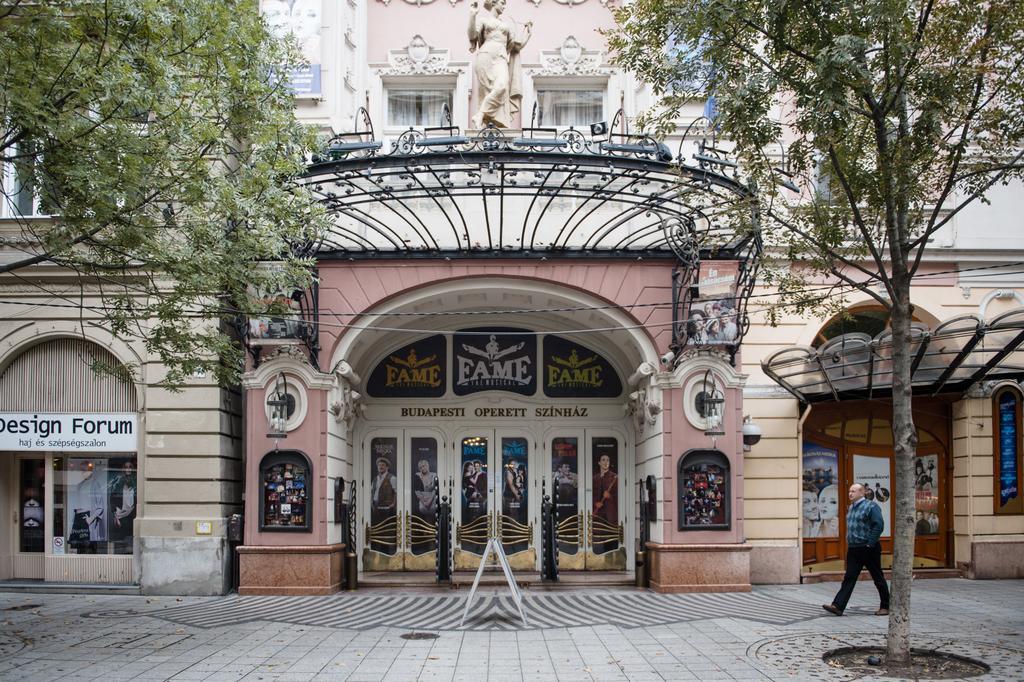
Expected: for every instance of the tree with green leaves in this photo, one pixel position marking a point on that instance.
(893, 116)
(150, 152)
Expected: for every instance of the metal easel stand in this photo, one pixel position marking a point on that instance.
(494, 545)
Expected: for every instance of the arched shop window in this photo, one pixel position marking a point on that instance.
(704, 491)
(285, 478)
(1006, 415)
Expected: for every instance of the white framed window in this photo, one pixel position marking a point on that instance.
(21, 195)
(417, 107)
(562, 107)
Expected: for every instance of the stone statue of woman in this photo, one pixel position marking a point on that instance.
(497, 67)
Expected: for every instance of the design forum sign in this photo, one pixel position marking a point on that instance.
(69, 432)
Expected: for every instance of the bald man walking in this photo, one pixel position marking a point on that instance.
(864, 525)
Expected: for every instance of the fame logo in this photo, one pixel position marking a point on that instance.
(492, 366)
(412, 372)
(573, 372)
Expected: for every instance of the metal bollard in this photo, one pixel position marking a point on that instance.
(641, 570)
(351, 570)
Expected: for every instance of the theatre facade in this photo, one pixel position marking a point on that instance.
(541, 327)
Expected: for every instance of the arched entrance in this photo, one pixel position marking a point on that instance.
(526, 402)
(851, 443)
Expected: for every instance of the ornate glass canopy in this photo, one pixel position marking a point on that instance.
(539, 191)
(949, 359)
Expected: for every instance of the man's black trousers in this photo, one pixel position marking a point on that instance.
(858, 558)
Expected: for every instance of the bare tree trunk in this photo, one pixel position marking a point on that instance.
(905, 449)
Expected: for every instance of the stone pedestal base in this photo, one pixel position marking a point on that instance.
(998, 558)
(699, 568)
(295, 570)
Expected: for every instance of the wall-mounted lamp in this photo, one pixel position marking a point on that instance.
(278, 402)
(710, 406)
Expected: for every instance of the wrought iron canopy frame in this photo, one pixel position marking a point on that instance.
(949, 359)
(523, 194)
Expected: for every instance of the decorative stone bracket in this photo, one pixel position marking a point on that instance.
(643, 404)
(571, 59)
(418, 58)
(346, 403)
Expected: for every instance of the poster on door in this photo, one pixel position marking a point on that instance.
(565, 484)
(383, 482)
(425, 490)
(474, 478)
(605, 452)
(874, 474)
(820, 492)
(926, 495)
(514, 503)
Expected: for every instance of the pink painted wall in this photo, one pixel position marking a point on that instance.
(310, 438)
(680, 437)
(347, 289)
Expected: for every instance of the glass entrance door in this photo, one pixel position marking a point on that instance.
(588, 492)
(494, 498)
(403, 480)
(30, 545)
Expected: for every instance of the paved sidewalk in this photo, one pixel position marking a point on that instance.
(599, 634)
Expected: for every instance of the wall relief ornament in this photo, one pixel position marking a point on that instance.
(572, 59)
(418, 59)
(420, 3)
(573, 3)
(644, 408)
(346, 402)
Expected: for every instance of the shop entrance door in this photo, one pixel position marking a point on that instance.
(405, 475)
(588, 490)
(30, 517)
(496, 496)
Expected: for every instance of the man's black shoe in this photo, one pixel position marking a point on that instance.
(833, 609)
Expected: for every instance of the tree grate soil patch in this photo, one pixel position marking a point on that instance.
(925, 664)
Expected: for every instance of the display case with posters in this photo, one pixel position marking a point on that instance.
(704, 491)
(284, 492)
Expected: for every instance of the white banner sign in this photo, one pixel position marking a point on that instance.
(74, 432)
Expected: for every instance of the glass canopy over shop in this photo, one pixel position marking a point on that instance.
(949, 359)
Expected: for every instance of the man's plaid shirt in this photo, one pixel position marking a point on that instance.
(864, 524)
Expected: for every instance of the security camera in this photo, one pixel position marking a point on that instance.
(751, 433)
(599, 129)
(667, 358)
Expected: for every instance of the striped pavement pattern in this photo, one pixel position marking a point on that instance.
(489, 612)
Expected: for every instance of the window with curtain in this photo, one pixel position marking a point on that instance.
(564, 108)
(25, 191)
(417, 108)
